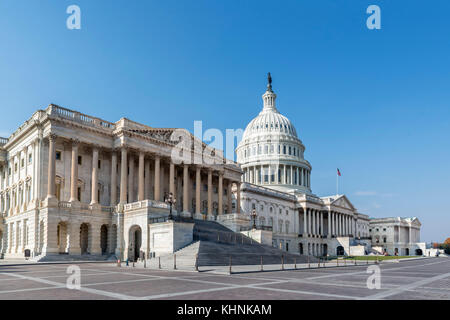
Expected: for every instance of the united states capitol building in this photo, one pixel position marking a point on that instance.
(72, 184)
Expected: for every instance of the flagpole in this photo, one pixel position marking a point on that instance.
(337, 184)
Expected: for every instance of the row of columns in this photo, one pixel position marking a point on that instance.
(127, 179)
(297, 175)
(339, 224)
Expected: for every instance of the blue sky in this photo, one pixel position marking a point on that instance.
(374, 103)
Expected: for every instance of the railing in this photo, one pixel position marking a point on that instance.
(146, 204)
(79, 117)
(250, 262)
(265, 228)
(84, 206)
(3, 141)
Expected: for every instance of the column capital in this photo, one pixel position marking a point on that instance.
(75, 142)
(52, 137)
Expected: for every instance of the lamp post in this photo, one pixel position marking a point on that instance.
(253, 214)
(171, 201)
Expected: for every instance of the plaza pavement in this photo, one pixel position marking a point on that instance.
(408, 279)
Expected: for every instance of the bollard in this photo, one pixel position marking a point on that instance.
(295, 263)
(196, 262)
(345, 262)
(119, 264)
(218, 237)
(367, 261)
(309, 266)
(133, 263)
(159, 262)
(145, 263)
(231, 263)
(337, 262)
(355, 261)
(282, 262)
(174, 261)
(318, 263)
(262, 268)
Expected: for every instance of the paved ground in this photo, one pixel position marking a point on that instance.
(416, 279)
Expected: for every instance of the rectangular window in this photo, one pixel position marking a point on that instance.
(99, 164)
(22, 163)
(80, 160)
(58, 155)
(30, 158)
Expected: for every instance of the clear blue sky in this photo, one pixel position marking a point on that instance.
(374, 103)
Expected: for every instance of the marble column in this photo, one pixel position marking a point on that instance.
(322, 233)
(157, 178)
(94, 178)
(210, 204)
(172, 178)
(51, 187)
(220, 194)
(141, 188)
(338, 224)
(238, 197)
(113, 200)
(147, 179)
(74, 173)
(305, 227)
(123, 176)
(198, 182)
(314, 222)
(185, 188)
(309, 222)
(229, 197)
(131, 179)
(292, 175)
(329, 225)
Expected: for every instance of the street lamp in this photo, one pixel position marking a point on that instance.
(171, 201)
(253, 214)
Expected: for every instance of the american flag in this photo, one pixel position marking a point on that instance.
(338, 172)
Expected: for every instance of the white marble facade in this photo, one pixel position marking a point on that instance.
(75, 184)
(397, 236)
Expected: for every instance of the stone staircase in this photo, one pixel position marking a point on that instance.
(214, 244)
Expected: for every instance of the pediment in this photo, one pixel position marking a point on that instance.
(343, 202)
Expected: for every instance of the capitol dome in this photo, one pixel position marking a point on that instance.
(270, 152)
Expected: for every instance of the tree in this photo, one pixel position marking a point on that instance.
(447, 241)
